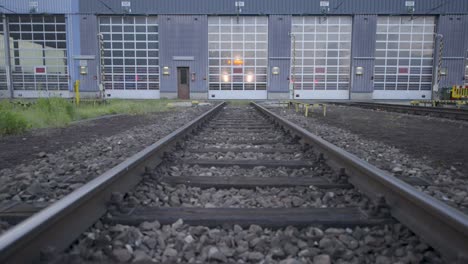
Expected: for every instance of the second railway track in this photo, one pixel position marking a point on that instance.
(449, 113)
(243, 167)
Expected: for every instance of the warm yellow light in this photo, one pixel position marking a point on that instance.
(225, 78)
(238, 61)
(249, 78)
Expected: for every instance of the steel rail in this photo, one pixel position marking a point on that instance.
(441, 226)
(458, 114)
(58, 225)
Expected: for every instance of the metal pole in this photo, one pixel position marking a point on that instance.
(293, 72)
(439, 64)
(6, 44)
(102, 67)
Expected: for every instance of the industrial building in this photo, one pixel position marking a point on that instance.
(230, 49)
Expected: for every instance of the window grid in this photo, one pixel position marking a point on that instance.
(238, 53)
(404, 53)
(38, 41)
(3, 73)
(466, 72)
(131, 52)
(323, 52)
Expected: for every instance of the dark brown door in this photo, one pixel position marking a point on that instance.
(183, 87)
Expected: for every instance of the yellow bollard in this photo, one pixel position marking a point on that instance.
(306, 111)
(324, 110)
(77, 92)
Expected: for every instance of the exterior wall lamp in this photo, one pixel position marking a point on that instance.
(443, 72)
(275, 70)
(359, 71)
(126, 7)
(33, 7)
(166, 70)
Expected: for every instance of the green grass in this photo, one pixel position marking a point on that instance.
(19, 116)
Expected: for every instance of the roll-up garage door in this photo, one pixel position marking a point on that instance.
(321, 57)
(131, 56)
(238, 50)
(404, 57)
(3, 69)
(38, 48)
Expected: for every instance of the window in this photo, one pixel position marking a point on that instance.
(404, 53)
(238, 53)
(3, 74)
(38, 42)
(183, 76)
(322, 52)
(131, 52)
(466, 72)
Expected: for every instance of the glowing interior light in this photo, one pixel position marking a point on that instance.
(238, 61)
(249, 78)
(225, 78)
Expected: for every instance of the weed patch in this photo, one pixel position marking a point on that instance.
(18, 116)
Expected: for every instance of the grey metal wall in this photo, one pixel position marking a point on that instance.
(362, 52)
(265, 7)
(44, 6)
(279, 52)
(89, 47)
(454, 29)
(183, 36)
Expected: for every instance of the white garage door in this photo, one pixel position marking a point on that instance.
(131, 56)
(404, 57)
(38, 48)
(322, 57)
(238, 50)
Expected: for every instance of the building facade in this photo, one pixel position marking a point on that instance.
(227, 49)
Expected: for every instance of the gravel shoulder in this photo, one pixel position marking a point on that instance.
(58, 161)
(23, 148)
(402, 144)
(441, 141)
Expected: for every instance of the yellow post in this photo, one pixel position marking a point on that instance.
(77, 92)
(324, 110)
(297, 107)
(306, 110)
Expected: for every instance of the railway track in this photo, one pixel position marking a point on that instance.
(241, 167)
(450, 113)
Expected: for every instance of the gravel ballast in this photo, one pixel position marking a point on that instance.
(179, 243)
(151, 193)
(51, 176)
(448, 184)
(150, 242)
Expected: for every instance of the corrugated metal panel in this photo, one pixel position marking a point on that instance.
(454, 31)
(363, 49)
(89, 46)
(184, 36)
(456, 72)
(265, 7)
(44, 6)
(363, 83)
(279, 52)
(74, 47)
(452, 28)
(364, 31)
